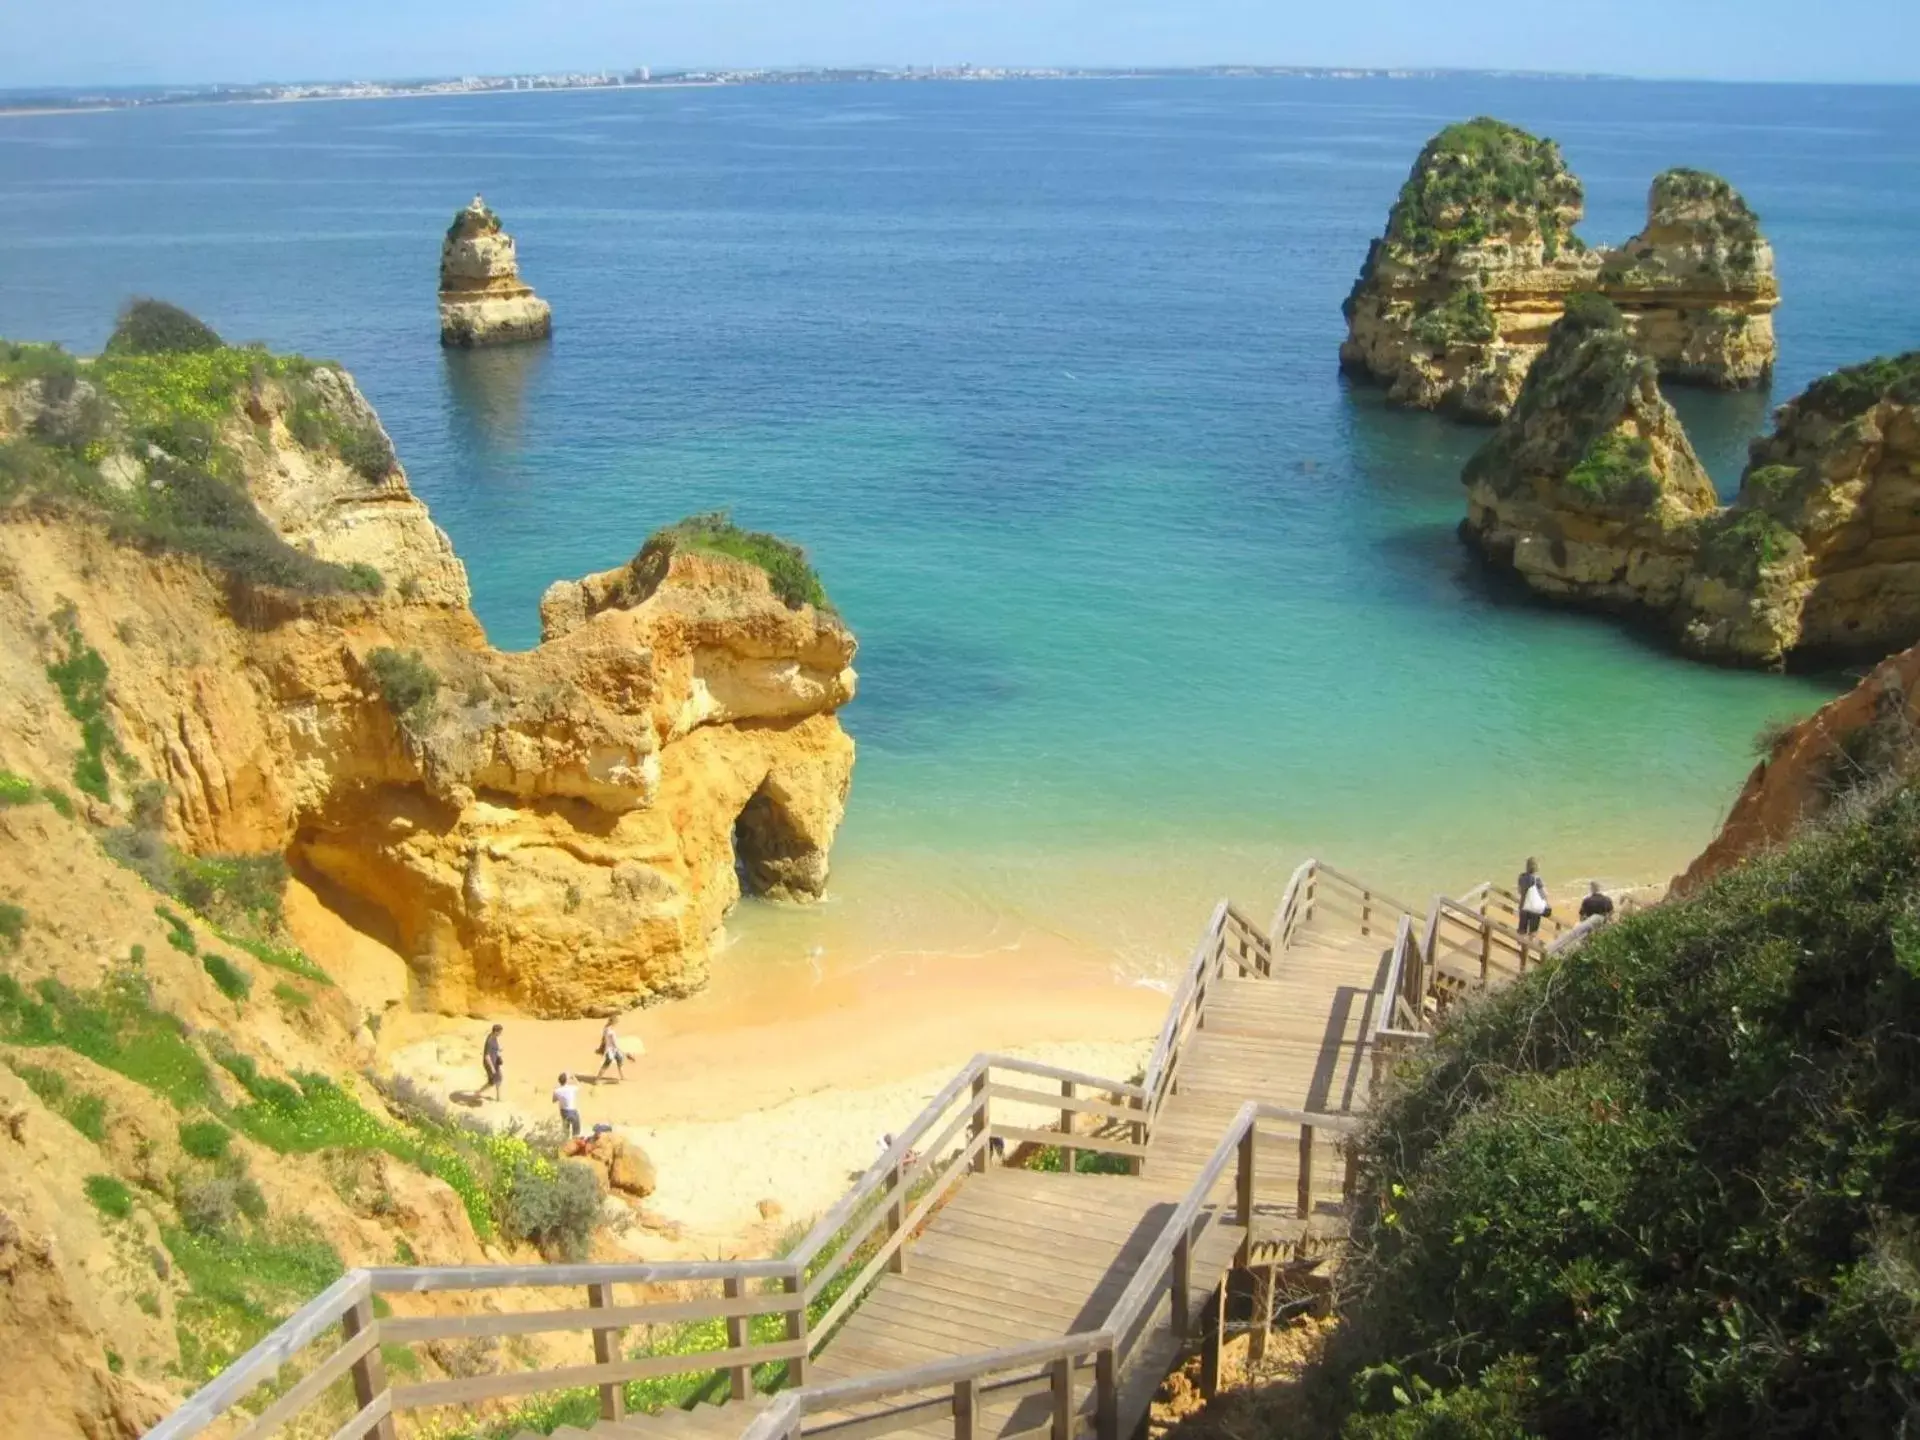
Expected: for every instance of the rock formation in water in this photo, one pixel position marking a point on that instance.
(1478, 258)
(1589, 491)
(1819, 555)
(295, 670)
(1456, 300)
(483, 300)
(1698, 284)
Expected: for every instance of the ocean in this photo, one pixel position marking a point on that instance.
(1152, 604)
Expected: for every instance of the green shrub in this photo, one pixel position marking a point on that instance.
(179, 933)
(1474, 173)
(14, 789)
(232, 981)
(1588, 310)
(1616, 469)
(405, 681)
(291, 996)
(205, 1139)
(1858, 388)
(62, 805)
(367, 450)
(115, 1026)
(13, 924)
(82, 1109)
(233, 890)
(794, 579)
(240, 1283)
(556, 1211)
(153, 327)
(212, 1204)
(109, 1196)
(81, 677)
(1670, 1177)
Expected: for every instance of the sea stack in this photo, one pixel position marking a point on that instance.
(1697, 285)
(1590, 491)
(1478, 258)
(1456, 300)
(483, 300)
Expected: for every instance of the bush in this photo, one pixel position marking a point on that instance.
(1673, 1176)
(179, 933)
(14, 789)
(556, 1211)
(233, 982)
(794, 579)
(81, 678)
(13, 924)
(109, 1196)
(405, 681)
(205, 1139)
(153, 327)
(368, 450)
(81, 1109)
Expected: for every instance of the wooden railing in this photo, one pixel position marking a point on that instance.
(1081, 1374)
(1230, 940)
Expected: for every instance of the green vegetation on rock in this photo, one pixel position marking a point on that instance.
(1858, 388)
(109, 1196)
(13, 924)
(1669, 1184)
(14, 789)
(82, 1109)
(405, 681)
(232, 981)
(793, 577)
(115, 1026)
(1742, 541)
(1616, 468)
(153, 327)
(80, 675)
(1463, 318)
(242, 1281)
(1479, 171)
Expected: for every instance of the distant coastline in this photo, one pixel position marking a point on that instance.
(80, 101)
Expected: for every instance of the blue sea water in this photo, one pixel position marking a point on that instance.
(1151, 602)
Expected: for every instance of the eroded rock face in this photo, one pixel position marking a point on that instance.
(1819, 555)
(1698, 284)
(554, 829)
(1479, 258)
(1475, 266)
(1589, 491)
(483, 301)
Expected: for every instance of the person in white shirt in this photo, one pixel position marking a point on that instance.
(567, 1096)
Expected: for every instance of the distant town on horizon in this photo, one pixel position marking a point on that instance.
(63, 97)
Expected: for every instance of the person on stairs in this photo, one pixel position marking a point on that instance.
(1597, 905)
(1534, 905)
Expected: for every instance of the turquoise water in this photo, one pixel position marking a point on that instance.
(1151, 603)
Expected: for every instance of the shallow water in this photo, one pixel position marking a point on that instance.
(1151, 603)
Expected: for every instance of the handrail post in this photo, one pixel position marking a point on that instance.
(1138, 1134)
(1366, 912)
(1214, 1343)
(1486, 951)
(977, 1126)
(369, 1371)
(1068, 1158)
(606, 1350)
(1243, 1181)
(795, 1284)
(897, 1216)
(1182, 1281)
(740, 1378)
(1350, 1181)
(1306, 1171)
(966, 1407)
(1062, 1388)
(1106, 1381)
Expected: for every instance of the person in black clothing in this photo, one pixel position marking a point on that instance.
(1597, 904)
(490, 1058)
(1528, 882)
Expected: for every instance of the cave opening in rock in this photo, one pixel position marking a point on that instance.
(773, 857)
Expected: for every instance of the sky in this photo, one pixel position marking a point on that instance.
(134, 42)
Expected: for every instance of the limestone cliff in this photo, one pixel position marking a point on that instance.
(1698, 283)
(483, 300)
(1849, 747)
(1479, 258)
(554, 829)
(1589, 491)
(1818, 558)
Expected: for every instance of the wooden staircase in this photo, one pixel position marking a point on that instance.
(951, 1295)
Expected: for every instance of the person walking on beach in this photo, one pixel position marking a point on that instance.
(610, 1055)
(567, 1096)
(1534, 905)
(1598, 905)
(492, 1063)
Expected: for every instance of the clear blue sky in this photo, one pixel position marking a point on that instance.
(78, 42)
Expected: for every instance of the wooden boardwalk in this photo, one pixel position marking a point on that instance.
(954, 1292)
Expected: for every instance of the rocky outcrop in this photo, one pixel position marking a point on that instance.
(1698, 284)
(1589, 491)
(1480, 257)
(562, 829)
(1819, 556)
(1591, 494)
(1851, 746)
(483, 300)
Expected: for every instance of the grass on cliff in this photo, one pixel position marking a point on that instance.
(1669, 1184)
(1853, 391)
(114, 1025)
(82, 1109)
(1472, 172)
(793, 577)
